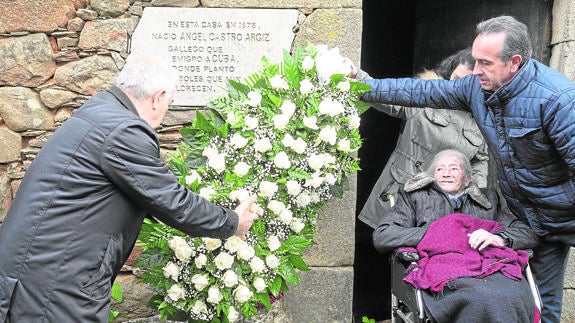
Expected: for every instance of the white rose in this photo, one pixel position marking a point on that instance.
(274, 243)
(278, 83)
(328, 159)
(257, 265)
(297, 225)
(280, 121)
(224, 261)
(299, 146)
(214, 295)
(285, 216)
(233, 314)
(207, 192)
(246, 252)
(276, 206)
(254, 99)
(171, 270)
(329, 62)
(310, 122)
(183, 252)
(303, 200)
(201, 260)
(307, 63)
(330, 107)
(344, 86)
(262, 145)
(315, 197)
(315, 181)
(281, 160)
(192, 177)
(315, 162)
(217, 162)
(175, 292)
(230, 279)
(272, 261)
(199, 307)
(239, 195)
(209, 151)
(288, 140)
(268, 189)
(354, 121)
(176, 241)
(241, 169)
(343, 145)
(242, 294)
(305, 86)
(328, 134)
(200, 282)
(238, 141)
(232, 118)
(288, 108)
(330, 179)
(212, 243)
(259, 284)
(293, 187)
(251, 122)
(233, 243)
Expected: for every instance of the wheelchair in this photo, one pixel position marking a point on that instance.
(407, 302)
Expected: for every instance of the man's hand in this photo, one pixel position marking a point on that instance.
(480, 239)
(247, 212)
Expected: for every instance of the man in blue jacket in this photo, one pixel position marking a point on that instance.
(526, 112)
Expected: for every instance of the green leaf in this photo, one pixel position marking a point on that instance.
(237, 89)
(117, 291)
(297, 261)
(288, 272)
(294, 243)
(275, 286)
(264, 298)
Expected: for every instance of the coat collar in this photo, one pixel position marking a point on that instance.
(124, 99)
(423, 179)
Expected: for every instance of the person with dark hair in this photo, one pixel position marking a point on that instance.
(526, 111)
(425, 132)
(466, 244)
(82, 202)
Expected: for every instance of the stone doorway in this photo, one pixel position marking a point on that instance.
(400, 38)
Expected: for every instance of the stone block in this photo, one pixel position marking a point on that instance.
(335, 232)
(339, 28)
(563, 22)
(324, 295)
(563, 60)
(26, 61)
(22, 109)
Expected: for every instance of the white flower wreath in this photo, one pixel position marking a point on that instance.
(288, 135)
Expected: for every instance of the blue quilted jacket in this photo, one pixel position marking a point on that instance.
(529, 125)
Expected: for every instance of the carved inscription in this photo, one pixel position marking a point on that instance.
(207, 46)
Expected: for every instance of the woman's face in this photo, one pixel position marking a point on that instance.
(448, 174)
(460, 71)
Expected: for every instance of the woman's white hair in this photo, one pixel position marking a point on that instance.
(144, 75)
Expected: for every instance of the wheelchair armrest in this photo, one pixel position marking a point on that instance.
(406, 256)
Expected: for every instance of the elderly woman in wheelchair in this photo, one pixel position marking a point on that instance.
(469, 252)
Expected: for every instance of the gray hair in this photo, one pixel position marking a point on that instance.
(517, 41)
(145, 75)
(463, 162)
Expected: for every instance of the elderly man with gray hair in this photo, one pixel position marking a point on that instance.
(81, 204)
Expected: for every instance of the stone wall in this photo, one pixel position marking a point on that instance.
(55, 54)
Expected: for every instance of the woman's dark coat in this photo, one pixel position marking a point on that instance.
(421, 202)
(79, 209)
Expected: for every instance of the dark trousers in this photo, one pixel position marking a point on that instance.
(548, 266)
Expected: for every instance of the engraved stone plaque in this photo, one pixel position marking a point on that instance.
(207, 46)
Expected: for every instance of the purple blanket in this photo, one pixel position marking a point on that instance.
(445, 254)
